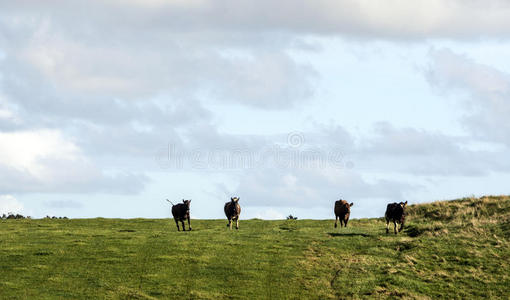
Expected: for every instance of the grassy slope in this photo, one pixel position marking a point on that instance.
(450, 249)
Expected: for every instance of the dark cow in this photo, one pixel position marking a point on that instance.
(342, 212)
(395, 212)
(180, 212)
(232, 211)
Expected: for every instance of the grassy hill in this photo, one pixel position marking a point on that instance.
(451, 249)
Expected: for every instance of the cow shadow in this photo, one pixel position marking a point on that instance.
(346, 234)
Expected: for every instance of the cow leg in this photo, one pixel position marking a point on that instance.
(183, 228)
(345, 222)
(189, 224)
(177, 223)
(230, 223)
(336, 221)
(395, 227)
(237, 223)
(401, 227)
(387, 226)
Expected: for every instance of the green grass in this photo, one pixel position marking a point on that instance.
(453, 249)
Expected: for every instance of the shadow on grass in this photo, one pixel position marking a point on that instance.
(334, 234)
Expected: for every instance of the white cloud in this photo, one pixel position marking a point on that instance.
(44, 161)
(134, 50)
(484, 93)
(9, 204)
(361, 18)
(24, 150)
(450, 70)
(137, 65)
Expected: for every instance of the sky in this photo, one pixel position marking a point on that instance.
(107, 108)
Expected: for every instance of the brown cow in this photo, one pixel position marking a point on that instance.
(232, 211)
(180, 211)
(342, 212)
(395, 212)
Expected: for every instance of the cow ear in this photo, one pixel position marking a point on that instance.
(232, 198)
(351, 204)
(238, 198)
(189, 200)
(405, 204)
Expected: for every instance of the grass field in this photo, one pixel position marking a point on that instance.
(453, 249)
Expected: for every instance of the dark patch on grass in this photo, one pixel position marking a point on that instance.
(332, 282)
(43, 253)
(127, 230)
(505, 227)
(335, 276)
(404, 246)
(414, 231)
(289, 225)
(417, 230)
(346, 234)
(155, 293)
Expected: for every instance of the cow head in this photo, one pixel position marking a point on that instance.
(187, 203)
(350, 204)
(403, 204)
(234, 199)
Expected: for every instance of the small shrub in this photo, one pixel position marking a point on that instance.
(54, 218)
(13, 216)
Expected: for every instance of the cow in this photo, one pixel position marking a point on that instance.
(342, 212)
(180, 211)
(232, 211)
(395, 212)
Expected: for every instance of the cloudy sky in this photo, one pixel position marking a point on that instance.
(107, 108)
